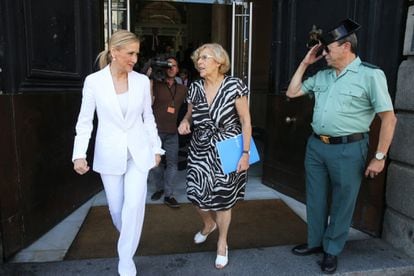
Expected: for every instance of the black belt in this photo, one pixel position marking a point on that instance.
(340, 139)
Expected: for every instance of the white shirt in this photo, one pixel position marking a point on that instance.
(123, 102)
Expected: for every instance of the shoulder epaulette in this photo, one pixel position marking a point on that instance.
(367, 64)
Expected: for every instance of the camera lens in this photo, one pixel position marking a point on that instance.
(161, 63)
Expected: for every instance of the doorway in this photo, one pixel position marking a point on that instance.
(176, 28)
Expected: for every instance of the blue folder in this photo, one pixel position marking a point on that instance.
(230, 151)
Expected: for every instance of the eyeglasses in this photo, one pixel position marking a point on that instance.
(327, 50)
(204, 57)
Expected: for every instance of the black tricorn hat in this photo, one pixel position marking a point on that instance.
(344, 29)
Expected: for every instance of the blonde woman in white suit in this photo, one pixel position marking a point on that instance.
(127, 145)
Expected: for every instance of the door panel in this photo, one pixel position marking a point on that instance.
(116, 16)
(371, 204)
(288, 121)
(287, 133)
(51, 47)
(241, 46)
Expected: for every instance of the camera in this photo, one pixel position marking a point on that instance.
(157, 68)
(161, 63)
(155, 64)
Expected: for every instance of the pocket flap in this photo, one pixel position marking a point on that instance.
(354, 92)
(320, 88)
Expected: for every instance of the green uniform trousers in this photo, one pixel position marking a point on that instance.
(335, 169)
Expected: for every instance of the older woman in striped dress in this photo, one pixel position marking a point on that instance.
(218, 109)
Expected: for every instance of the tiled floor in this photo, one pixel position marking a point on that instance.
(54, 244)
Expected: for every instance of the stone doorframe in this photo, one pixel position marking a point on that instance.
(398, 227)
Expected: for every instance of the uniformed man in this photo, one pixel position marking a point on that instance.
(347, 96)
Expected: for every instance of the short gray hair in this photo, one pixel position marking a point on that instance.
(219, 54)
(352, 38)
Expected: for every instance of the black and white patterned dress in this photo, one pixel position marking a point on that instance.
(207, 186)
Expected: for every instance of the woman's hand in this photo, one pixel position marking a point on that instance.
(184, 127)
(243, 163)
(81, 166)
(157, 160)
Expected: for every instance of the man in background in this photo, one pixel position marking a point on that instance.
(168, 96)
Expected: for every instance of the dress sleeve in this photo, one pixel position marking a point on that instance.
(242, 89)
(190, 93)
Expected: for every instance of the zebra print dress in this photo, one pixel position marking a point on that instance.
(207, 186)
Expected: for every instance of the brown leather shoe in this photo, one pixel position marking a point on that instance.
(303, 250)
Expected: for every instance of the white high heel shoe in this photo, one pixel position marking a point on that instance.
(200, 238)
(222, 261)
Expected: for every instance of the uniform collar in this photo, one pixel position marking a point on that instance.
(353, 66)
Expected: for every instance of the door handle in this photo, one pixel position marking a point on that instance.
(290, 120)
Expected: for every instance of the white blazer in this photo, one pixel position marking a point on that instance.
(117, 134)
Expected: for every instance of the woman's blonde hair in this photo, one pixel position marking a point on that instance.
(118, 40)
(219, 54)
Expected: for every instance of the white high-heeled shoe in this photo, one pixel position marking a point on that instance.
(200, 238)
(222, 261)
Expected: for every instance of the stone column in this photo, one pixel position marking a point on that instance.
(398, 228)
(220, 27)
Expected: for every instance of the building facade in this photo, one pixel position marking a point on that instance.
(48, 47)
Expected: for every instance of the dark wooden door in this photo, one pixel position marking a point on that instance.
(288, 129)
(288, 121)
(47, 48)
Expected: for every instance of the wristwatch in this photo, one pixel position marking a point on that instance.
(246, 152)
(380, 156)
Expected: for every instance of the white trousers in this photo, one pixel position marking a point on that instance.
(126, 196)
